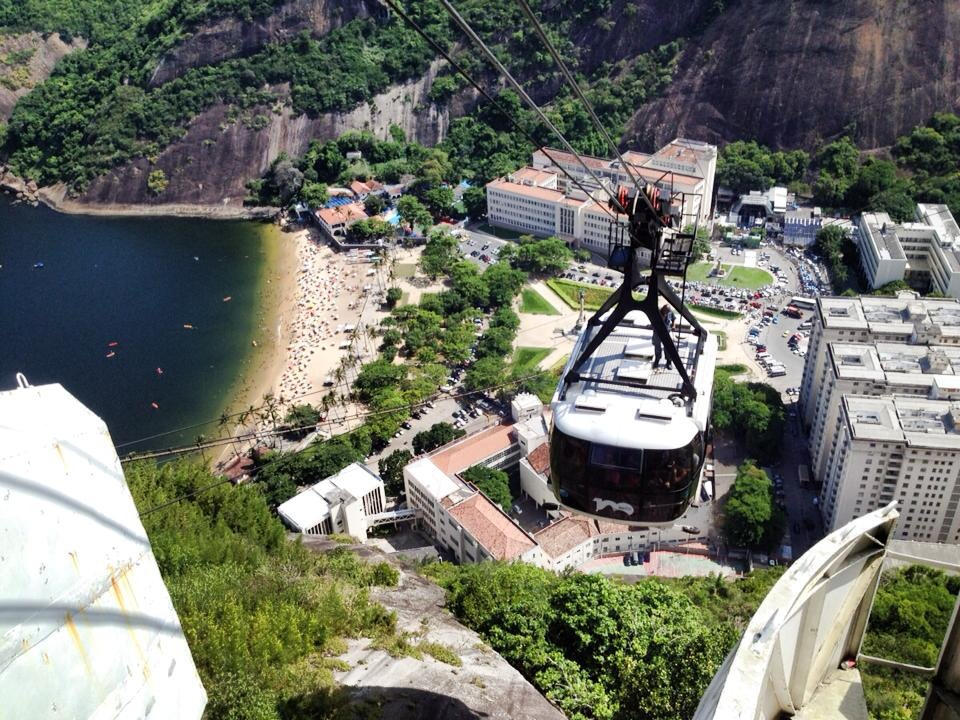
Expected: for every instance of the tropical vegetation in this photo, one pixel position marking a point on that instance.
(264, 617)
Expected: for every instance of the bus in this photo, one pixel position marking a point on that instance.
(803, 303)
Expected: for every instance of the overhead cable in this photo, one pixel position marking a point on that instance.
(493, 101)
(258, 434)
(525, 6)
(469, 32)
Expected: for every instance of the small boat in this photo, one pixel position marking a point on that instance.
(154, 406)
(187, 326)
(159, 371)
(38, 266)
(228, 298)
(196, 258)
(111, 354)
(112, 343)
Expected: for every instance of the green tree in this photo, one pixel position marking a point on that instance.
(493, 483)
(157, 181)
(393, 297)
(314, 194)
(439, 201)
(440, 253)
(374, 204)
(495, 342)
(285, 178)
(830, 243)
(370, 229)
(391, 471)
(545, 256)
(839, 164)
(486, 372)
(438, 435)
(750, 512)
(412, 212)
(503, 283)
(327, 160)
(301, 416)
(378, 375)
(475, 202)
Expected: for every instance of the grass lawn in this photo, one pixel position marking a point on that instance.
(526, 359)
(737, 276)
(533, 302)
(498, 231)
(569, 292)
(733, 368)
(404, 270)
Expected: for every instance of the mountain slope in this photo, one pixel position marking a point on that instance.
(210, 93)
(790, 74)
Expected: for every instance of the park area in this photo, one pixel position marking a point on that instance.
(404, 270)
(737, 276)
(534, 303)
(527, 359)
(569, 292)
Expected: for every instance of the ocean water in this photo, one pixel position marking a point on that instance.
(136, 282)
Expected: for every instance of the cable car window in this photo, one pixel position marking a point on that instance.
(616, 457)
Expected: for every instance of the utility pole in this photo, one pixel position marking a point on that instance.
(580, 318)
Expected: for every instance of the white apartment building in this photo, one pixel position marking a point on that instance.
(343, 503)
(880, 382)
(897, 448)
(923, 253)
(681, 165)
(541, 201)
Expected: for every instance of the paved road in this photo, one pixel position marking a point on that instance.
(442, 412)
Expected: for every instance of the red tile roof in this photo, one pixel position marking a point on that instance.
(490, 527)
(564, 535)
(539, 459)
(343, 214)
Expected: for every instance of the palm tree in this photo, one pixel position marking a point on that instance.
(224, 422)
(201, 439)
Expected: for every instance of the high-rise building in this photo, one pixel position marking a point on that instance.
(880, 400)
(925, 253)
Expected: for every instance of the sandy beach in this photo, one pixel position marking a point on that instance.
(312, 299)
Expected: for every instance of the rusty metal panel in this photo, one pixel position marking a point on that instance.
(87, 628)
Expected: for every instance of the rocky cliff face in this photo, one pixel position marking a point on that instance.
(791, 73)
(237, 37)
(788, 73)
(25, 61)
(220, 152)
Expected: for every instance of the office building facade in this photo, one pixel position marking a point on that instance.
(879, 399)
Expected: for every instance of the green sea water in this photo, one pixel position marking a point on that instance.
(135, 282)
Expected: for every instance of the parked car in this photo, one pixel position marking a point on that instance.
(691, 529)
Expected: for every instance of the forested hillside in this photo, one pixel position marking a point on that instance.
(208, 93)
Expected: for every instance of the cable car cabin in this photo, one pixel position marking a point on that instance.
(632, 452)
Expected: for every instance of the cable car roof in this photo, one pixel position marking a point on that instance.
(643, 415)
